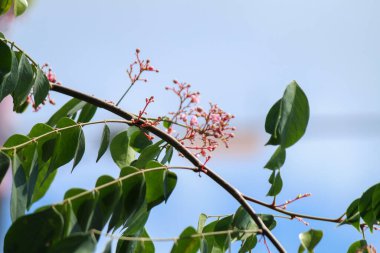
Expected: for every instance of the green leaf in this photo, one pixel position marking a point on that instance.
(145, 246)
(271, 121)
(277, 159)
(137, 139)
(108, 198)
(67, 110)
(64, 150)
(9, 81)
(78, 243)
(208, 243)
(201, 222)
(19, 7)
(353, 215)
(33, 177)
(158, 187)
(358, 247)
(243, 221)
(80, 148)
(186, 244)
(87, 113)
(132, 199)
(47, 227)
(223, 224)
(5, 56)
(2, 35)
(4, 165)
(294, 115)
(310, 239)
(248, 244)
(168, 155)
(124, 246)
(166, 122)
(376, 202)
(121, 152)
(276, 182)
(366, 206)
(5, 5)
(24, 83)
(137, 221)
(41, 87)
(148, 154)
(104, 142)
(45, 145)
(19, 193)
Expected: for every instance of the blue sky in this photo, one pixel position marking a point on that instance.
(241, 55)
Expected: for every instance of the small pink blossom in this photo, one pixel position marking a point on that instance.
(194, 121)
(195, 98)
(215, 118)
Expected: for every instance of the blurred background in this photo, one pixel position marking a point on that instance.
(241, 55)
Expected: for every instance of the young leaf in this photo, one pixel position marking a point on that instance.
(67, 110)
(87, 113)
(24, 83)
(276, 181)
(186, 244)
(41, 87)
(80, 148)
(47, 227)
(310, 239)
(9, 82)
(19, 7)
(121, 151)
(4, 165)
(5, 5)
(80, 242)
(277, 159)
(201, 222)
(104, 142)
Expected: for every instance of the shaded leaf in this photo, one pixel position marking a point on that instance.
(137, 139)
(5, 5)
(277, 159)
(41, 87)
(4, 165)
(47, 226)
(24, 83)
(87, 113)
(353, 215)
(19, 192)
(124, 246)
(67, 110)
(80, 148)
(276, 182)
(121, 152)
(168, 155)
(359, 247)
(248, 244)
(223, 224)
(78, 243)
(104, 143)
(5, 56)
(186, 244)
(149, 153)
(9, 81)
(310, 239)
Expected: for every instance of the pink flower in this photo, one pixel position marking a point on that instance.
(183, 117)
(194, 121)
(195, 98)
(215, 118)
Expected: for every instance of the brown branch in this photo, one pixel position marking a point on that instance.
(292, 214)
(181, 149)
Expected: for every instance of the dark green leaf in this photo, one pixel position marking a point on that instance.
(276, 182)
(248, 244)
(47, 227)
(208, 243)
(66, 110)
(19, 7)
(41, 88)
(277, 159)
(132, 199)
(138, 140)
(366, 206)
(149, 153)
(294, 115)
(24, 83)
(49, 139)
(268, 220)
(359, 247)
(223, 224)
(78, 243)
(5, 5)
(4, 165)
(243, 221)
(79, 151)
(145, 246)
(353, 215)
(187, 244)
(376, 202)
(43, 183)
(9, 82)
(310, 239)
(137, 221)
(124, 246)
(87, 113)
(272, 118)
(2, 35)
(104, 142)
(6, 58)
(33, 177)
(168, 155)
(121, 152)
(158, 186)
(19, 193)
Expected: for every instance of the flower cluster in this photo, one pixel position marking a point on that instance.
(144, 65)
(204, 129)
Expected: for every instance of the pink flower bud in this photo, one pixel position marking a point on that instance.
(194, 121)
(215, 118)
(195, 98)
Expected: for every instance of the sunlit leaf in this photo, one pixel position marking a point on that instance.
(310, 239)
(19, 7)
(5, 5)
(121, 152)
(187, 244)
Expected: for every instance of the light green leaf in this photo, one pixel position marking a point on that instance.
(5, 5)
(80, 148)
(104, 142)
(121, 152)
(19, 7)
(201, 222)
(41, 87)
(310, 239)
(359, 247)
(186, 244)
(67, 110)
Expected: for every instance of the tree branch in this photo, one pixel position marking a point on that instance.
(181, 149)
